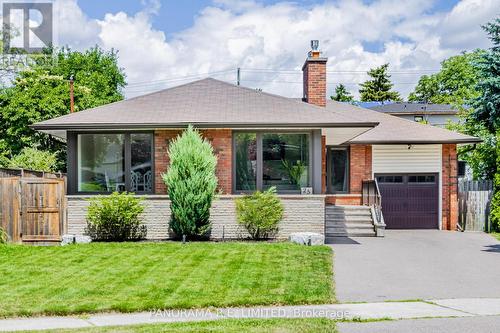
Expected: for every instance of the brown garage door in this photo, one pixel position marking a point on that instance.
(410, 201)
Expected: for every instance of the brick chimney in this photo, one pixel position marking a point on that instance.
(314, 76)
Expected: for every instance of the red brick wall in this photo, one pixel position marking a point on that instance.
(340, 199)
(314, 80)
(162, 139)
(360, 166)
(221, 140)
(449, 187)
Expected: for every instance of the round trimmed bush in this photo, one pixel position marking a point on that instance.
(260, 213)
(115, 218)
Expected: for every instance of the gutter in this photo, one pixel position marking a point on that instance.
(416, 142)
(119, 126)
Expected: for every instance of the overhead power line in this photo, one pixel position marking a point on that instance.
(298, 71)
(270, 71)
(179, 78)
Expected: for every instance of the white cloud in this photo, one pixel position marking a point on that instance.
(247, 34)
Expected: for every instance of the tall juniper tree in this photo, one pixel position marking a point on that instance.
(191, 182)
(379, 87)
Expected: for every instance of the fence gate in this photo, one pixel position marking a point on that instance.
(32, 209)
(41, 209)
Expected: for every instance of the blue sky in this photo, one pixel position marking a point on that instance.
(173, 42)
(177, 15)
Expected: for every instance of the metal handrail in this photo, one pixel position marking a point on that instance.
(371, 197)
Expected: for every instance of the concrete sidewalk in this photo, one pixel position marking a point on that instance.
(391, 310)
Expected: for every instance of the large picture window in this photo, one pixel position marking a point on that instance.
(114, 162)
(264, 160)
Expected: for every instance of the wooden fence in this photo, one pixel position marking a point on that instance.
(32, 205)
(474, 197)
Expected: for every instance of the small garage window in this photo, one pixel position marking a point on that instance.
(390, 179)
(421, 179)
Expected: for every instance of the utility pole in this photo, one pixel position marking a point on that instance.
(71, 95)
(238, 76)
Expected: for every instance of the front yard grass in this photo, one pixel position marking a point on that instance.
(496, 235)
(127, 277)
(307, 325)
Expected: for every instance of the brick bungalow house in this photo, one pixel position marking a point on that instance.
(339, 153)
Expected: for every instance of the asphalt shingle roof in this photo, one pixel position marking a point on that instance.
(214, 103)
(392, 129)
(206, 102)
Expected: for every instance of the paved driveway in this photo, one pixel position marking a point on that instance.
(417, 264)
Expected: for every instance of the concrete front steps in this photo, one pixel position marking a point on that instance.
(348, 221)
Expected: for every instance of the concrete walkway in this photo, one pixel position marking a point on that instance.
(390, 310)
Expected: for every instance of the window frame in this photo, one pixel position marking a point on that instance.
(73, 160)
(403, 178)
(329, 169)
(260, 158)
(421, 174)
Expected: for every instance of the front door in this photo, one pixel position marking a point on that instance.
(337, 177)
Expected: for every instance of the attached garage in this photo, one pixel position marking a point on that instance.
(410, 201)
(409, 178)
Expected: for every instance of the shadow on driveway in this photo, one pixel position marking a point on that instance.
(493, 248)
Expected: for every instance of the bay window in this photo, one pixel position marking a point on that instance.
(109, 162)
(264, 160)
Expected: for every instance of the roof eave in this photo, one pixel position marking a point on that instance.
(415, 142)
(412, 113)
(115, 126)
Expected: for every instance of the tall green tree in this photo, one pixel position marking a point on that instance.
(342, 94)
(457, 83)
(475, 78)
(42, 92)
(495, 201)
(454, 84)
(487, 104)
(378, 87)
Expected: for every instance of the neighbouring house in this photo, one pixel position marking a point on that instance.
(343, 152)
(433, 114)
(439, 115)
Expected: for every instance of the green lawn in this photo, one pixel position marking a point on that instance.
(129, 277)
(496, 235)
(310, 325)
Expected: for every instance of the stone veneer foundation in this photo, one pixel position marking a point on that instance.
(302, 214)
